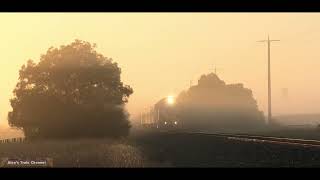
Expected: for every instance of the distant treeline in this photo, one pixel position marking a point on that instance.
(298, 119)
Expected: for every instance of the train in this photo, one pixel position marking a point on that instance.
(161, 116)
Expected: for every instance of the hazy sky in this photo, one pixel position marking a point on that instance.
(160, 53)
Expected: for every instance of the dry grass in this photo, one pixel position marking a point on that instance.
(147, 149)
(79, 153)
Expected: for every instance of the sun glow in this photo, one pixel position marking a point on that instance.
(170, 100)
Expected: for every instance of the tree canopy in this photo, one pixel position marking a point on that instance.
(213, 104)
(73, 91)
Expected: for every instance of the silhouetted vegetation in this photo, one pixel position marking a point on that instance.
(72, 92)
(212, 104)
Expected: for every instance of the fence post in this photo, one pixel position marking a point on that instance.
(12, 140)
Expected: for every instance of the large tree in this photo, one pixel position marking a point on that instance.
(214, 105)
(72, 92)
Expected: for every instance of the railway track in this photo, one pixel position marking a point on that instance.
(260, 139)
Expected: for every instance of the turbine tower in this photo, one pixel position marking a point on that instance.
(269, 79)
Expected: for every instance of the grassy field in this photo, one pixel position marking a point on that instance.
(6, 132)
(150, 149)
(79, 153)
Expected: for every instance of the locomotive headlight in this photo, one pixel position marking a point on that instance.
(170, 100)
(175, 122)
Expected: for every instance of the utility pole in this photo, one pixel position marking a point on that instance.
(285, 93)
(269, 79)
(144, 118)
(151, 115)
(158, 118)
(214, 69)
